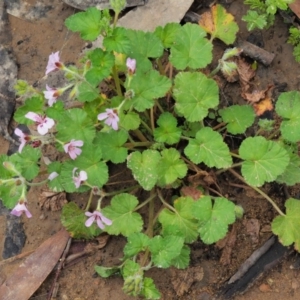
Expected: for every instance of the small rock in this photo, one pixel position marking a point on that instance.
(295, 284)
(265, 288)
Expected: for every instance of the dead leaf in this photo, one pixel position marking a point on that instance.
(32, 272)
(53, 201)
(252, 228)
(246, 73)
(188, 191)
(206, 22)
(262, 106)
(183, 279)
(295, 7)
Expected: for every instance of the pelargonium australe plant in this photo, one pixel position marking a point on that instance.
(157, 121)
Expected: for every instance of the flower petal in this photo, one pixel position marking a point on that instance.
(33, 116)
(89, 221)
(99, 223)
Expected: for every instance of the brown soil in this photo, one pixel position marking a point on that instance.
(32, 44)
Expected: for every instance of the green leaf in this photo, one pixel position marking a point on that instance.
(287, 226)
(195, 94)
(144, 167)
(76, 125)
(4, 173)
(87, 92)
(167, 34)
(288, 107)
(11, 192)
(90, 161)
(208, 147)
(191, 48)
(255, 20)
(66, 177)
(111, 144)
(214, 219)
(296, 53)
(170, 167)
(264, 160)
(33, 104)
(181, 222)
(73, 219)
(117, 41)
(219, 24)
(121, 211)
(102, 63)
(28, 161)
(238, 118)
(55, 183)
(165, 249)
(87, 23)
(167, 132)
(136, 242)
(146, 44)
(106, 272)
(130, 268)
(291, 175)
(147, 87)
(129, 121)
(149, 291)
(182, 261)
(56, 111)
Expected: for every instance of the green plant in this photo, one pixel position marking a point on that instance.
(157, 125)
(262, 13)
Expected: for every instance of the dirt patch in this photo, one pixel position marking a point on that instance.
(32, 44)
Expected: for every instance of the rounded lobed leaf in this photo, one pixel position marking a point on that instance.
(264, 160)
(238, 118)
(195, 94)
(208, 147)
(288, 107)
(191, 48)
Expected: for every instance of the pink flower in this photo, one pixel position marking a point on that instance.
(43, 123)
(98, 217)
(111, 117)
(71, 148)
(20, 208)
(131, 65)
(23, 138)
(51, 95)
(81, 177)
(53, 63)
(52, 176)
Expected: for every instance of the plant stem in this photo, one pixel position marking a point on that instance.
(232, 166)
(137, 144)
(89, 201)
(147, 127)
(215, 71)
(160, 67)
(117, 82)
(165, 203)
(121, 191)
(140, 135)
(235, 155)
(152, 119)
(219, 125)
(259, 191)
(273, 134)
(159, 106)
(145, 202)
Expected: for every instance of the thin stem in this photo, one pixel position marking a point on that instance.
(137, 144)
(140, 135)
(36, 183)
(259, 191)
(152, 119)
(117, 82)
(121, 191)
(219, 125)
(232, 166)
(159, 106)
(165, 203)
(160, 67)
(89, 201)
(147, 127)
(215, 71)
(235, 155)
(273, 134)
(144, 203)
